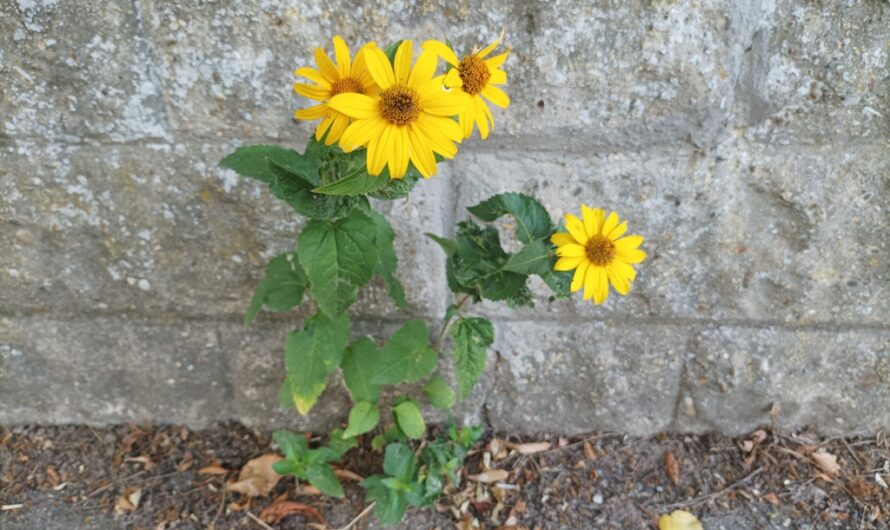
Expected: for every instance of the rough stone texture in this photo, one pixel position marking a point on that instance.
(748, 141)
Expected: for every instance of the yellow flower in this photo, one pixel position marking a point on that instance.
(409, 120)
(679, 520)
(331, 79)
(596, 251)
(477, 77)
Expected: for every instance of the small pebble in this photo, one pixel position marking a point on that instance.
(597, 499)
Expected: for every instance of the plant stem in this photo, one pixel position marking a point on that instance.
(460, 303)
(359, 516)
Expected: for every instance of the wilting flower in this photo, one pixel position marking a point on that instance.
(331, 79)
(476, 76)
(409, 120)
(598, 254)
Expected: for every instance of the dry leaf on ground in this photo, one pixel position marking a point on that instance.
(348, 475)
(679, 520)
(281, 509)
(492, 475)
(527, 448)
(672, 467)
(589, 453)
(257, 478)
(144, 460)
(827, 462)
(129, 500)
(213, 470)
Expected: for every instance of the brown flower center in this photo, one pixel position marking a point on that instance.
(346, 84)
(474, 74)
(399, 105)
(600, 250)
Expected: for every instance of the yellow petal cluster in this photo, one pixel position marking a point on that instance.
(402, 112)
(679, 520)
(594, 248)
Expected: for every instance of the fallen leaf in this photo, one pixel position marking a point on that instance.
(279, 510)
(129, 500)
(213, 470)
(672, 467)
(528, 448)
(490, 476)
(679, 520)
(348, 475)
(53, 476)
(758, 436)
(589, 453)
(186, 462)
(746, 446)
(880, 480)
(827, 462)
(257, 478)
(308, 489)
(771, 498)
(144, 460)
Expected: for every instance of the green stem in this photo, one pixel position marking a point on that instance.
(460, 303)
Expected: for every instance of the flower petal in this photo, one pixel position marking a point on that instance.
(567, 264)
(498, 77)
(452, 79)
(628, 242)
(341, 122)
(311, 113)
(611, 223)
(496, 96)
(561, 238)
(315, 92)
(313, 75)
(421, 152)
(326, 66)
(593, 219)
(625, 270)
(596, 285)
(341, 54)
(481, 116)
(571, 250)
(355, 105)
(402, 62)
(360, 133)
(490, 48)
(442, 102)
(618, 231)
(576, 228)
(323, 126)
(440, 133)
(423, 70)
(496, 61)
(619, 282)
(580, 274)
(398, 164)
(442, 50)
(379, 66)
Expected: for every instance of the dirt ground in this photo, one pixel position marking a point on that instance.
(168, 477)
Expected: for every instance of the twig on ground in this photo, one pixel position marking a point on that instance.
(712, 496)
(359, 516)
(115, 481)
(259, 521)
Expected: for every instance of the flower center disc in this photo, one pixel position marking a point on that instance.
(346, 84)
(399, 105)
(600, 250)
(474, 74)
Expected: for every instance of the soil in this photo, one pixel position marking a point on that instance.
(170, 477)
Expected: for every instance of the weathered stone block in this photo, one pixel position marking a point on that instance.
(577, 376)
(112, 229)
(749, 233)
(836, 379)
(78, 71)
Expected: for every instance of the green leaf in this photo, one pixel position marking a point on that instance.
(297, 192)
(448, 245)
(253, 161)
(399, 462)
(559, 282)
(391, 505)
(386, 265)
(322, 477)
(534, 258)
(293, 445)
(322, 455)
(407, 356)
(311, 355)
(391, 50)
(280, 289)
(363, 417)
(409, 419)
(377, 442)
(472, 337)
(339, 444)
(397, 188)
(285, 467)
(477, 267)
(357, 183)
(338, 257)
(360, 364)
(532, 220)
(439, 393)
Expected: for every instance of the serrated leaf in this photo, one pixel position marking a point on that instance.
(280, 289)
(409, 419)
(357, 183)
(397, 188)
(472, 337)
(448, 245)
(311, 355)
(339, 444)
(338, 257)
(390, 505)
(399, 461)
(360, 363)
(253, 161)
(297, 192)
(407, 356)
(439, 393)
(387, 262)
(559, 282)
(293, 445)
(532, 220)
(533, 258)
(322, 477)
(477, 267)
(363, 417)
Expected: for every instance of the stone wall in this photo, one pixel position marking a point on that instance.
(749, 140)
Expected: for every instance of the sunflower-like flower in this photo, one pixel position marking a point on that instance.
(346, 76)
(477, 77)
(408, 120)
(598, 254)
